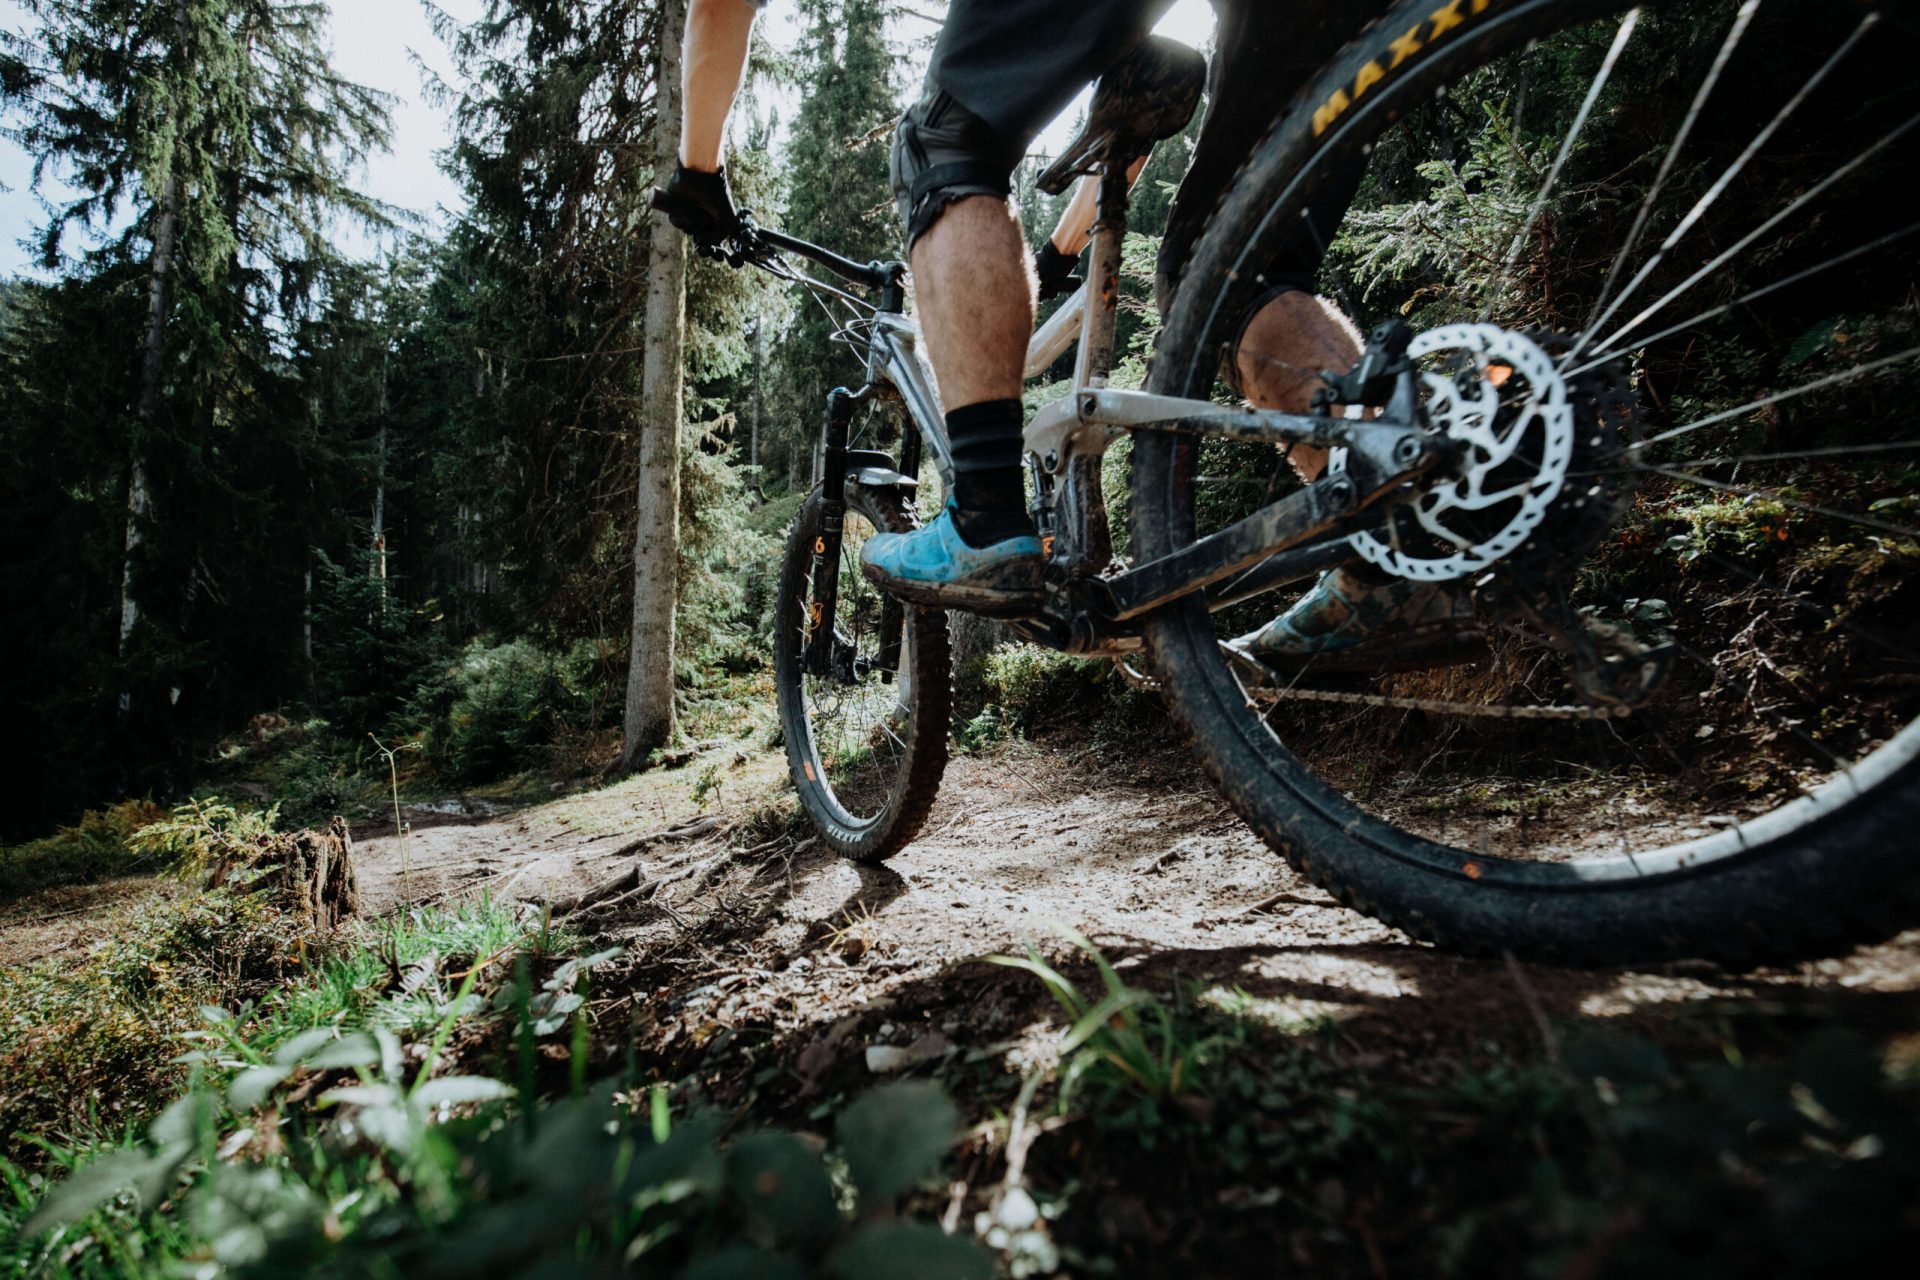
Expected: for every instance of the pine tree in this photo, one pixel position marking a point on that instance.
(204, 147)
(557, 154)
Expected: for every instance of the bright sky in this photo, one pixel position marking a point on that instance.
(375, 42)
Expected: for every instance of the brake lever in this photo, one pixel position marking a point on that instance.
(748, 246)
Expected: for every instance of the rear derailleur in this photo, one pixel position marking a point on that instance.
(1610, 666)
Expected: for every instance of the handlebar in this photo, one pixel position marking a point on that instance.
(754, 243)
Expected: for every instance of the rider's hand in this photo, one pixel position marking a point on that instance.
(700, 205)
(1055, 271)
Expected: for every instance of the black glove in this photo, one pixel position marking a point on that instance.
(700, 205)
(1055, 270)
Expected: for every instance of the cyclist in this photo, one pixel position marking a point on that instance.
(1001, 69)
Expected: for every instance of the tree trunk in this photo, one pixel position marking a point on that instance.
(656, 546)
(378, 564)
(759, 405)
(152, 370)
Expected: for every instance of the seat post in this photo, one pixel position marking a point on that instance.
(1094, 364)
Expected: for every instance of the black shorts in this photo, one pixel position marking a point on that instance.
(1002, 69)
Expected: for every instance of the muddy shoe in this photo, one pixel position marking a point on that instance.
(936, 566)
(1361, 621)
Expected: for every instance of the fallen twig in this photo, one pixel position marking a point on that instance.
(1279, 899)
(1153, 866)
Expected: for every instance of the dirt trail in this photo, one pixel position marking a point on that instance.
(827, 958)
(1134, 851)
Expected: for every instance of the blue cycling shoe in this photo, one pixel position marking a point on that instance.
(936, 566)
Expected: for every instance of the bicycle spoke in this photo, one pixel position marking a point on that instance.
(1828, 616)
(1838, 766)
(1672, 158)
(1625, 33)
(1790, 455)
(1713, 193)
(1747, 241)
(1819, 384)
(1749, 491)
(1747, 299)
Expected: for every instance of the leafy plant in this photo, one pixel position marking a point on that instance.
(492, 710)
(451, 1186)
(1121, 1039)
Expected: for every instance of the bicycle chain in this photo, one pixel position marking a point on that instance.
(1439, 707)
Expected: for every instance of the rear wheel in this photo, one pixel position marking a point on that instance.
(1679, 329)
(867, 738)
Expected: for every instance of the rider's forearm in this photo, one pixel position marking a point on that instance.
(1075, 228)
(712, 70)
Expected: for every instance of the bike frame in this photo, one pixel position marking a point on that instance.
(1093, 605)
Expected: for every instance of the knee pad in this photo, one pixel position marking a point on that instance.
(942, 152)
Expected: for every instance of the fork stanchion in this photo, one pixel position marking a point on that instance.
(826, 543)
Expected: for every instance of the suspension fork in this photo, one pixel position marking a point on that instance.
(893, 614)
(826, 541)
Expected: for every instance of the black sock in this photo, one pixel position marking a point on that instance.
(989, 489)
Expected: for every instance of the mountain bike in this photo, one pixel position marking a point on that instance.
(1643, 400)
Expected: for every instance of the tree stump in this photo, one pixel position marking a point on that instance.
(309, 872)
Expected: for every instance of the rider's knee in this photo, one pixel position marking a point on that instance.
(942, 153)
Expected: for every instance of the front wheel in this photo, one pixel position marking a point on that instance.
(1656, 279)
(866, 723)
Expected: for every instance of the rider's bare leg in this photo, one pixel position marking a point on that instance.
(974, 296)
(1281, 354)
(973, 291)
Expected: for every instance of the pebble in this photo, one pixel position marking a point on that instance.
(1017, 1210)
(885, 1059)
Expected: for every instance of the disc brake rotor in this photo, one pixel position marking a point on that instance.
(1499, 394)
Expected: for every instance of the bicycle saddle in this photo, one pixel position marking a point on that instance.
(1149, 95)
